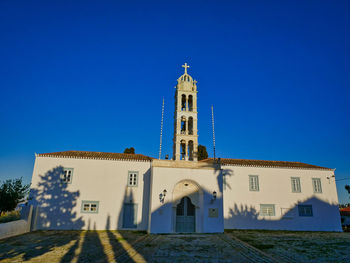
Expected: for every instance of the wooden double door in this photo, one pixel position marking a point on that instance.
(185, 216)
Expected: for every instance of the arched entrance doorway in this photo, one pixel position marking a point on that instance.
(187, 203)
(185, 216)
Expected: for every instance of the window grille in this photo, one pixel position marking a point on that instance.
(305, 210)
(132, 178)
(67, 175)
(89, 206)
(267, 210)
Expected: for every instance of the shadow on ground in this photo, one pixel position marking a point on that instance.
(55, 209)
(69, 246)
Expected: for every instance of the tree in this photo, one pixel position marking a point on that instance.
(130, 150)
(12, 192)
(202, 152)
(347, 187)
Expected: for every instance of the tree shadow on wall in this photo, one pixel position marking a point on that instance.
(222, 173)
(53, 209)
(54, 203)
(324, 217)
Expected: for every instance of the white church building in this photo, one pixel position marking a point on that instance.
(98, 190)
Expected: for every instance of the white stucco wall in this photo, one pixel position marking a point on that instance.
(99, 180)
(162, 215)
(105, 181)
(242, 207)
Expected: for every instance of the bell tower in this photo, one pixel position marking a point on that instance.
(185, 119)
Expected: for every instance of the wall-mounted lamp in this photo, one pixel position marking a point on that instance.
(330, 176)
(162, 196)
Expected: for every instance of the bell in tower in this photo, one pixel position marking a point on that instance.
(185, 119)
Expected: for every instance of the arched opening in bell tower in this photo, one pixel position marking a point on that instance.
(190, 126)
(183, 125)
(183, 102)
(183, 150)
(190, 103)
(190, 150)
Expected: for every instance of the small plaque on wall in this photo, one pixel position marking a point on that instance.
(213, 212)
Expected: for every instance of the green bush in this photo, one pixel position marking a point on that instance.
(9, 216)
(12, 193)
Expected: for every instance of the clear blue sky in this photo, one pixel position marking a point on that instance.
(91, 76)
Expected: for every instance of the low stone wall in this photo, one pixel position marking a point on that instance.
(17, 227)
(13, 228)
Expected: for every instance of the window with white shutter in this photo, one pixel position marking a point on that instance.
(67, 175)
(132, 178)
(267, 210)
(296, 187)
(316, 184)
(305, 210)
(89, 207)
(253, 183)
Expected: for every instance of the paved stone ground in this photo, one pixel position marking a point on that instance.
(68, 246)
(194, 248)
(290, 246)
(125, 246)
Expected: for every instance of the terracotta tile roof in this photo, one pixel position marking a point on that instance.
(345, 211)
(97, 155)
(261, 163)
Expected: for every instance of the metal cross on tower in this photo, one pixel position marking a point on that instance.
(185, 66)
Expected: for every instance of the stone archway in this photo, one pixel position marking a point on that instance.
(187, 195)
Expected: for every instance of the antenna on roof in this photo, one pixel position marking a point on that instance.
(161, 132)
(212, 121)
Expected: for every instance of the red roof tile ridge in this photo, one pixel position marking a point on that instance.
(129, 154)
(259, 160)
(71, 153)
(255, 160)
(270, 163)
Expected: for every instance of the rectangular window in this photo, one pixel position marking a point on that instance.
(130, 215)
(296, 188)
(253, 183)
(267, 210)
(316, 184)
(305, 210)
(132, 178)
(67, 175)
(89, 206)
